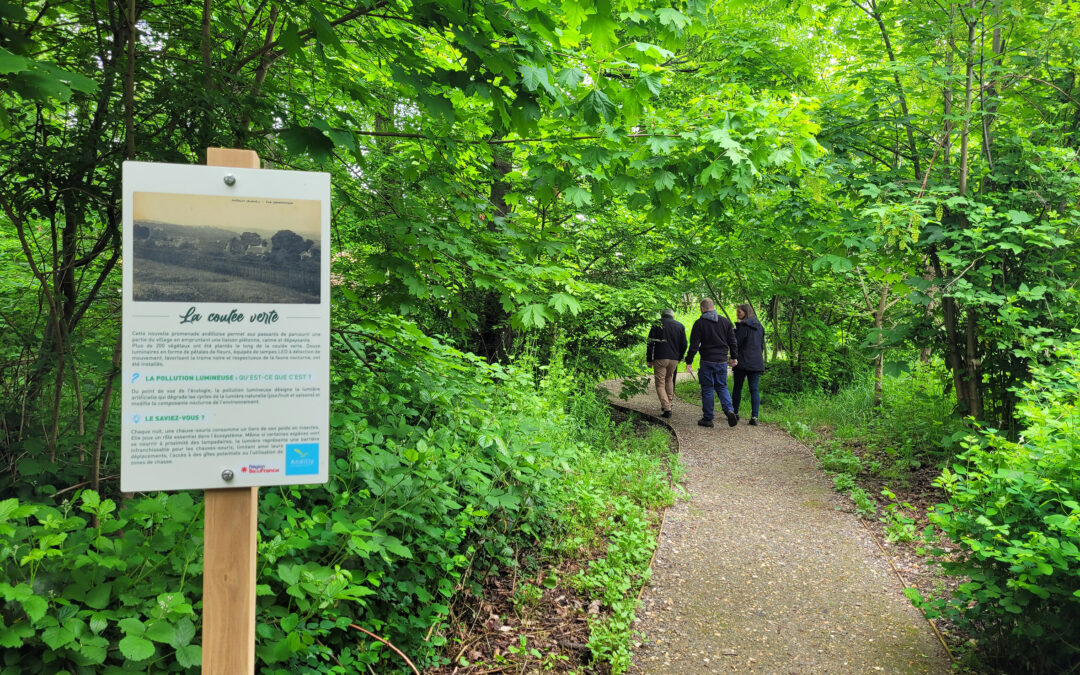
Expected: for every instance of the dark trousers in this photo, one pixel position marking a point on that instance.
(736, 391)
(713, 377)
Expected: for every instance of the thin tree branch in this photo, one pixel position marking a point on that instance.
(307, 34)
(388, 644)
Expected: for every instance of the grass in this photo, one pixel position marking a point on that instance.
(908, 431)
(602, 505)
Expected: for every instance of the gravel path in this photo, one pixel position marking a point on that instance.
(759, 571)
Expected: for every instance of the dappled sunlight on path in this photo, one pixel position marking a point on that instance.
(759, 570)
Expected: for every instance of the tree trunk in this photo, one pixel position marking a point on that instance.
(879, 360)
(875, 14)
(494, 331)
(989, 92)
(204, 45)
(946, 162)
(974, 370)
(966, 372)
(968, 91)
(103, 417)
(952, 353)
(266, 59)
(794, 354)
(129, 83)
(774, 321)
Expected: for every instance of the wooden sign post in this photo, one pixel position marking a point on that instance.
(225, 264)
(230, 544)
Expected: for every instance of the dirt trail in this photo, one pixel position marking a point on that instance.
(760, 571)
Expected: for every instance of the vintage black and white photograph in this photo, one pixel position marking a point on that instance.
(200, 248)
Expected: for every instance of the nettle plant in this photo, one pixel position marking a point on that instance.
(1013, 511)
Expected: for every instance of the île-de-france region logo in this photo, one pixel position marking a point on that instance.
(301, 459)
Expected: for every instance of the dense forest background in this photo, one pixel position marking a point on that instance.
(519, 188)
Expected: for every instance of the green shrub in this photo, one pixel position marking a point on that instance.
(443, 469)
(113, 598)
(837, 458)
(843, 482)
(911, 427)
(825, 370)
(1014, 516)
(898, 519)
(865, 506)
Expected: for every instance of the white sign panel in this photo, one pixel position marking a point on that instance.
(226, 360)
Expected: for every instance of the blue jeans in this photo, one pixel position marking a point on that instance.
(736, 391)
(713, 376)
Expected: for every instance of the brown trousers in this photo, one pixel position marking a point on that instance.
(664, 377)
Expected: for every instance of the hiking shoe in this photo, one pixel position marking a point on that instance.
(753, 421)
(704, 423)
(732, 418)
(666, 413)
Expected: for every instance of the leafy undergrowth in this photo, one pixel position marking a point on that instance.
(566, 605)
(1012, 514)
(536, 623)
(446, 471)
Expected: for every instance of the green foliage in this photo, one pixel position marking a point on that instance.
(825, 367)
(844, 482)
(845, 467)
(445, 469)
(839, 459)
(527, 595)
(544, 174)
(906, 431)
(93, 588)
(639, 485)
(865, 506)
(1013, 513)
(545, 662)
(912, 427)
(899, 525)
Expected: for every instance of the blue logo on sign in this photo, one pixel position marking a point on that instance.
(301, 459)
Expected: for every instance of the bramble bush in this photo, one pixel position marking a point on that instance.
(1013, 513)
(444, 468)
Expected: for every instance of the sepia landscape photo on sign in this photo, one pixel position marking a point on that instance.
(201, 248)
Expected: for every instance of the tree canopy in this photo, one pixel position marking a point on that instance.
(885, 181)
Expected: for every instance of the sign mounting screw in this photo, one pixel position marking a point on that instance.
(227, 475)
(230, 179)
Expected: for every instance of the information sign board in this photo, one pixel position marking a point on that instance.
(226, 302)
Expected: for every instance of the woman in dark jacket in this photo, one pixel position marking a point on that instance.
(750, 336)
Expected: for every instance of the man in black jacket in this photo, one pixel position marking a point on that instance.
(666, 346)
(714, 336)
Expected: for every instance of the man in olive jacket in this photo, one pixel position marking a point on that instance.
(666, 346)
(714, 336)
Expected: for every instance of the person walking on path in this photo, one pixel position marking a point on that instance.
(666, 346)
(714, 337)
(750, 355)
